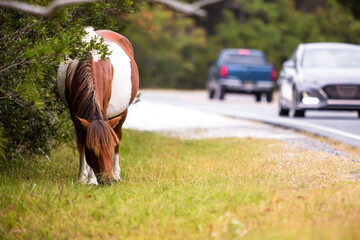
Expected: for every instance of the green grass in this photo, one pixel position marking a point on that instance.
(185, 189)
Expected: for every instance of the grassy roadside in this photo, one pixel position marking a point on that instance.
(187, 189)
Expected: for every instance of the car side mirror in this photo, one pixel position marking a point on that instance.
(289, 64)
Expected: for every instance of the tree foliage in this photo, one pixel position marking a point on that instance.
(352, 6)
(277, 27)
(169, 48)
(33, 119)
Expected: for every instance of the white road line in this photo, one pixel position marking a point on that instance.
(281, 121)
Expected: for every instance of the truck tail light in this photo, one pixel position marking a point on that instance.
(223, 71)
(273, 74)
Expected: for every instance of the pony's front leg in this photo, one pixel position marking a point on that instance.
(116, 166)
(92, 178)
(86, 173)
(83, 168)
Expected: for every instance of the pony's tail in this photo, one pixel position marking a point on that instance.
(72, 66)
(65, 75)
(70, 72)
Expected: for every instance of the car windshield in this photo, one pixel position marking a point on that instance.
(244, 59)
(331, 58)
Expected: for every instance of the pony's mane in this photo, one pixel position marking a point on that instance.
(100, 136)
(83, 100)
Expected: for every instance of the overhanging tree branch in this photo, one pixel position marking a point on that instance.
(38, 10)
(189, 9)
(186, 8)
(46, 12)
(203, 3)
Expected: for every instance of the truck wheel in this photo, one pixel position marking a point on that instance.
(269, 97)
(211, 93)
(257, 97)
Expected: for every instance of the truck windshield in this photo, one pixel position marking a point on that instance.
(331, 58)
(244, 59)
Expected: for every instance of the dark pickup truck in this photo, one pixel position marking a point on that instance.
(241, 71)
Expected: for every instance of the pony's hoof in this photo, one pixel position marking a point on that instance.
(118, 179)
(82, 180)
(92, 181)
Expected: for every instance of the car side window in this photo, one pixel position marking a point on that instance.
(293, 57)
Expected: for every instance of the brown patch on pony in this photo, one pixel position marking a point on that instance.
(101, 137)
(102, 71)
(125, 44)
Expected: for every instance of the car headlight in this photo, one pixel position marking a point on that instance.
(306, 99)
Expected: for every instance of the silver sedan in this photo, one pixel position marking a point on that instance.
(320, 76)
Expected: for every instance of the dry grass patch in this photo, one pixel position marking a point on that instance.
(186, 189)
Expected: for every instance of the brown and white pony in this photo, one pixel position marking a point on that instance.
(98, 93)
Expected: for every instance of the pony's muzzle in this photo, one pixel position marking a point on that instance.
(106, 180)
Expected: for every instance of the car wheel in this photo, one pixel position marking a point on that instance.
(358, 112)
(300, 113)
(293, 111)
(269, 97)
(282, 111)
(211, 93)
(258, 97)
(222, 93)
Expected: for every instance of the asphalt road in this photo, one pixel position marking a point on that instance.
(341, 126)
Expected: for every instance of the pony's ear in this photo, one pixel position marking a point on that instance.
(114, 122)
(84, 123)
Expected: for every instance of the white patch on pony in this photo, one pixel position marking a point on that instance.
(116, 167)
(60, 80)
(121, 84)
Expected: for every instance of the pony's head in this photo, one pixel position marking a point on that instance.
(100, 144)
